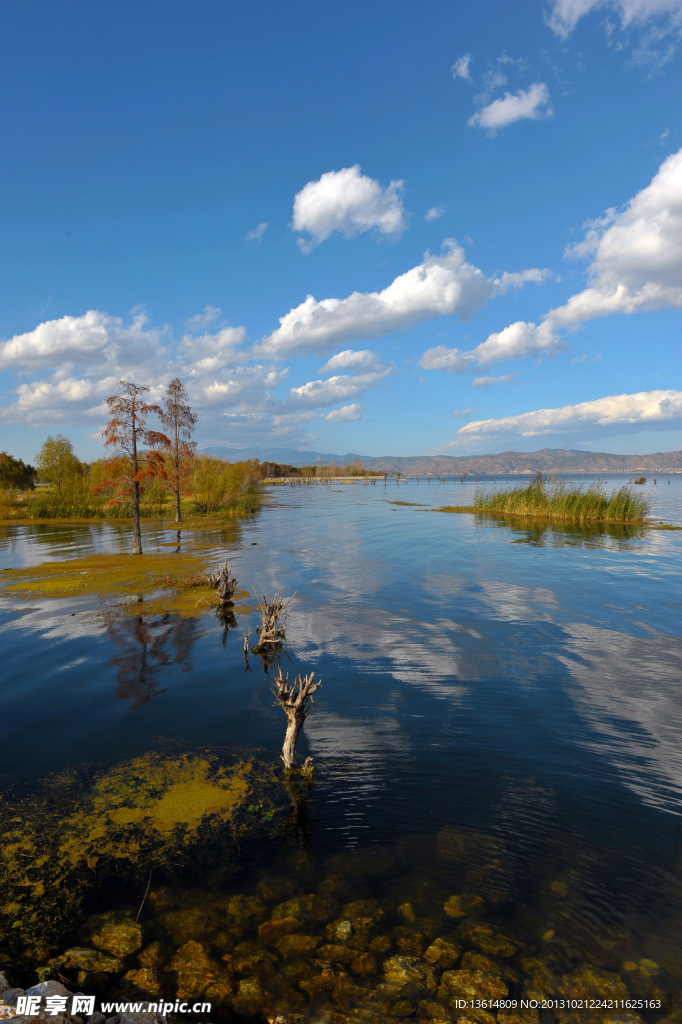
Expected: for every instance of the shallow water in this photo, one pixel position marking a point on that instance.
(478, 674)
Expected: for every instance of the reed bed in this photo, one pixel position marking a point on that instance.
(562, 500)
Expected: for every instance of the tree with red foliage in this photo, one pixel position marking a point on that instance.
(179, 421)
(136, 447)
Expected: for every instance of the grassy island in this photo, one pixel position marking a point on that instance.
(570, 502)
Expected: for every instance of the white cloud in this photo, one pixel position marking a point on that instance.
(487, 382)
(460, 413)
(440, 285)
(350, 359)
(637, 263)
(461, 68)
(346, 414)
(257, 233)
(94, 335)
(435, 213)
(203, 320)
(514, 342)
(565, 14)
(319, 393)
(531, 103)
(614, 414)
(349, 202)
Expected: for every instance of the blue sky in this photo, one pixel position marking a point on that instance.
(385, 228)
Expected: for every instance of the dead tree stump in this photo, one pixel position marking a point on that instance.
(295, 700)
(270, 633)
(224, 582)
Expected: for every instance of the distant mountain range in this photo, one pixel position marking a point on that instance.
(549, 460)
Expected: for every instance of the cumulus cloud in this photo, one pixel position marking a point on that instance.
(637, 254)
(461, 68)
(95, 335)
(435, 213)
(564, 15)
(350, 359)
(613, 414)
(203, 320)
(320, 393)
(349, 202)
(514, 342)
(440, 285)
(346, 414)
(531, 103)
(487, 382)
(257, 233)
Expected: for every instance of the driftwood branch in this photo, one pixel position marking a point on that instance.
(295, 700)
(224, 582)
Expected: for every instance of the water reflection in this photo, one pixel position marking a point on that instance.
(146, 645)
(540, 534)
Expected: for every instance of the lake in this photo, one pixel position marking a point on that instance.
(499, 724)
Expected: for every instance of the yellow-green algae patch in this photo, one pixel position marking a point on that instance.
(179, 578)
(156, 811)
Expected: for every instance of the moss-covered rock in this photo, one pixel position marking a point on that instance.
(442, 953)
(196, 974)
(471, 985)
(77, 830)
(145, 981)
(114, 933)
(297, 945)
(462, 904)
(270, 932)
(364, 965)
(402, 971)
(309, 908)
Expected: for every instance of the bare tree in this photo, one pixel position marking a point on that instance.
(179, 421)
(295, 700)
(270, 633)
(224, 582)
(136, 448)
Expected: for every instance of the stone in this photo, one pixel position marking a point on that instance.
(363, 909)
(311, 909)
(250, 996)
(648, 968)
(10, 995)
(274, 888)
(540, 982)
(242, 912)
(403, 1008)
(406, 911)
(429, 1009)
(528, 1016)
(408, 941)
(297, 945)
(364, 965)
(588, 982)
(48, 988)
(335, 954)
(156, 954)
(559, 887)
(442, 953)
(91, 960)
(113, 933)
(4, 983)
(145, 980)
(472, 961)
(408, 970)
(270, 932)
(249, 957)
(460, 906)
(188, 923)
(344, 930)
(471, 985)
(462, 845)
(198, 974)
(380, 944)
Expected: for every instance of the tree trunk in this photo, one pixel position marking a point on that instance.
(295, 720)
(178, 516)
(137, 536)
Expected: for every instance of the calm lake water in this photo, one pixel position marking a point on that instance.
(477, 674)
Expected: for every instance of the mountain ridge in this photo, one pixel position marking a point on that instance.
(547, 460)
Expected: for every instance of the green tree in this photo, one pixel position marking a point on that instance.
(179, 421)
(15, 473)
(57, 463)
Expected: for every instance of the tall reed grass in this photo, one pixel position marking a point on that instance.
(561, 500)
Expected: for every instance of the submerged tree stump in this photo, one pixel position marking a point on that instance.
(270, 633)
(295, 700)
(224, 582)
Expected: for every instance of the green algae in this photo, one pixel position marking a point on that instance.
(138, 578)
(62, 843)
